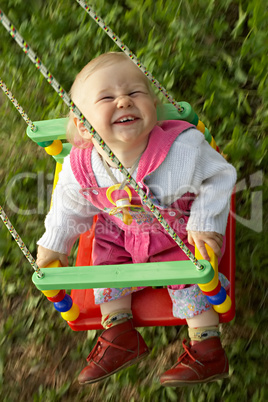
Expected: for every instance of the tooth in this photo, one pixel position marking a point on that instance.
(127, 119)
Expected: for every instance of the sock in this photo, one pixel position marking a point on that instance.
(201, 333)
(115, 318)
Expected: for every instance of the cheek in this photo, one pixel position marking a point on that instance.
(99, 116)
(151, 113)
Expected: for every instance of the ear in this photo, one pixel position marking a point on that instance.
(81, 128)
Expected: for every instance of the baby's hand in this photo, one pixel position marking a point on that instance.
(212, 239)
(46, 256)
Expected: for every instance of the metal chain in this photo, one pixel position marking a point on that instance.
(20, 243)
(129, 53)
(62, 93)
(17, 105)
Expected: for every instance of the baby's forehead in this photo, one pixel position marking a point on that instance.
(126, 68)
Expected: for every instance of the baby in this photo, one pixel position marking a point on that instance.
(188, 181)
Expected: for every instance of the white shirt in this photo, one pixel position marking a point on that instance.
(191, 165)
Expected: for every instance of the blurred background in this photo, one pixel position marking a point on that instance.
(212, 54)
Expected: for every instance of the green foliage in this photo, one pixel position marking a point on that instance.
(209, 53)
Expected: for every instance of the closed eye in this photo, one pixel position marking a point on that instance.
(135, 93)
(106, 98)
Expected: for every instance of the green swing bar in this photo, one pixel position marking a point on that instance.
(125, 275)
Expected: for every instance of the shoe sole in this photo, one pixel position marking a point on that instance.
(177, 383)
(128, 364)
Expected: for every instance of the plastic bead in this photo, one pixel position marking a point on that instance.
(219, 298)
(59, 297)
(195, 120)
(188, 114)
(213, 292)
(208, 287)
(45, 144)
(201, 126)
(55, 148)
(207, 135)
(64, 305)
(72, 314)
(224, 307)
(50, 293)
(213, 143)
(54, 264)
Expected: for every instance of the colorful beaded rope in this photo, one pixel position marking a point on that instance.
(62, 301)
(17, 105)
(20, 243)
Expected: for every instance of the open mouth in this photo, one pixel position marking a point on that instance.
(126, 119)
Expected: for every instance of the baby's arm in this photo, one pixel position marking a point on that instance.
(71, 215)
(212, 239)
(213, 182)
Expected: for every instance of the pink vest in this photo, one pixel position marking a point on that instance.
(160, 141)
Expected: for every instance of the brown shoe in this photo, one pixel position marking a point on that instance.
(204, 361)
(117, 347)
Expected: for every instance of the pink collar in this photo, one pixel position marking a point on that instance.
(160, 140)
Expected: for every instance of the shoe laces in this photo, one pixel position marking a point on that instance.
(95, 351)
(99, 345)
(188, 353)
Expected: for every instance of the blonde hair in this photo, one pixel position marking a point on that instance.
(103, 60)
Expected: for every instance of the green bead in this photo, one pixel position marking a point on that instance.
(168, 111)
(45, 144)
(188, 113)
(207, 135)
(195, 120)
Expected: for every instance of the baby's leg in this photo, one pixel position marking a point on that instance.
(206, 319)
(115, 305)
(116, 312)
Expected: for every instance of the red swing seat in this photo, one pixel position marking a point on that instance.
(158, 311)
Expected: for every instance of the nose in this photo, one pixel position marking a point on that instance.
(124, 102)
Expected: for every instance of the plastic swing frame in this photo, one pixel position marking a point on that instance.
(158, 302)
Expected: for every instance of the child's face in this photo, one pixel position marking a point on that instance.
(118, 104)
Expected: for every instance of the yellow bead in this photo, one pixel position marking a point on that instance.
(224, 307)
(71, 314)
(208, 287)
(55, 148)
(201, 126)
(213, 144)
(50, 293)
(54, 264)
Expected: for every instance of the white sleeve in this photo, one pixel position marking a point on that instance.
(192, 165)
(70, 215)
(213, 179)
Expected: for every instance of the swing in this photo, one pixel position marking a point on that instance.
(79, 309)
